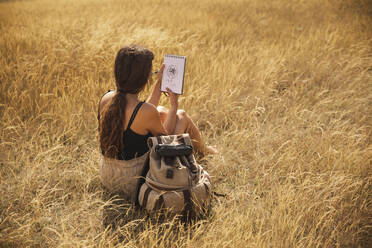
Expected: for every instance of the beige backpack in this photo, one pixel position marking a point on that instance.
(174, 180)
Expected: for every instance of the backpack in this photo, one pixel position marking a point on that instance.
(174, 180)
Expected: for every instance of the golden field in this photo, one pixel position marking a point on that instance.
(283, 88)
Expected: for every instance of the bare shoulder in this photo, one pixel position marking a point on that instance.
(151, 119)
(106, 98)
(146, 119)
(149, 110)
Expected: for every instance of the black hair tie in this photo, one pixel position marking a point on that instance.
(121, 91)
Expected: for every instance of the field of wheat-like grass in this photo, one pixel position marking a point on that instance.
(283, 88)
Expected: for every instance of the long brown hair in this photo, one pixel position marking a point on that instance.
(132, 69)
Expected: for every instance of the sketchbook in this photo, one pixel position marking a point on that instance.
(174, 73)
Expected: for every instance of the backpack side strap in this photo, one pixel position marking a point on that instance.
(142, 179)
(188, 202)
(146, 197)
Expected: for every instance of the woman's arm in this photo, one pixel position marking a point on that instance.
(153, 121)
(156, 91)
(170, 121)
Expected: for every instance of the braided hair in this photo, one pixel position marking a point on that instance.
(132, 69)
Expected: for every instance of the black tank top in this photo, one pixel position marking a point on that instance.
(135, 145)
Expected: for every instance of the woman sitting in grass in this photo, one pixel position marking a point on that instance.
(125, 122)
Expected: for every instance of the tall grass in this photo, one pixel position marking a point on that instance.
(282, 87)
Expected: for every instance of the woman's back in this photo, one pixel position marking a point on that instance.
(132, 102)
(135, 134)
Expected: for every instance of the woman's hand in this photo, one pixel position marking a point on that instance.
(173, 98)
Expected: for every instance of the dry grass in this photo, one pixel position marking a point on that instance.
(282, 87)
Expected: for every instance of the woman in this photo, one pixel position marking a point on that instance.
(125, 123)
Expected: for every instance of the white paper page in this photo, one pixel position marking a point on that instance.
(173, 73)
